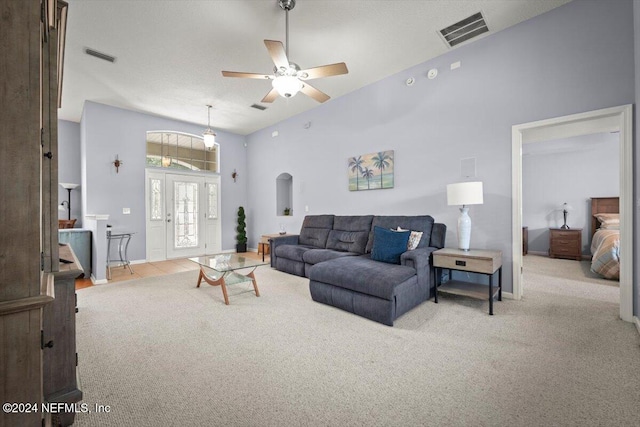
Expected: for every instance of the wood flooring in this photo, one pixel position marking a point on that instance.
(150, 269)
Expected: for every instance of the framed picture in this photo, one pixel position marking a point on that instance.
(372, 171)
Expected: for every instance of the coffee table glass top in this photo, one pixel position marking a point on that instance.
(227, 262)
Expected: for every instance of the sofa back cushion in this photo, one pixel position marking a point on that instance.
(422, 223)
(350, 233)
(315, 230)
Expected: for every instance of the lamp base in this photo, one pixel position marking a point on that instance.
(464, 229)
(565, 227)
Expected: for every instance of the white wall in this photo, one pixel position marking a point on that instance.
(563, 62)
(569, 171)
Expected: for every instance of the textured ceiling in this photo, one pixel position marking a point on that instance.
(170, 53)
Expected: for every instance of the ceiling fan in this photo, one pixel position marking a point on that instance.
(288, 79)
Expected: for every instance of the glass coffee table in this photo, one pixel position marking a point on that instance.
(222, 270)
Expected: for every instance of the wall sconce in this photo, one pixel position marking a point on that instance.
(234, 175)
(117, 163)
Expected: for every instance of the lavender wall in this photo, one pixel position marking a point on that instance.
(563, 62)
(107, 131)
(571, 170)
(69, 167)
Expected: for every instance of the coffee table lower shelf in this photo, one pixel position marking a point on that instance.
(227, 278)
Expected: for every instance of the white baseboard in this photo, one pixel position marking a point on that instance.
(98, 282)
(537, 253)
(546, 254)
(508, 295)
(138, 261)
(636, 322)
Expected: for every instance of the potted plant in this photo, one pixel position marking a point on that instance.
(241, 237)
(287, 211)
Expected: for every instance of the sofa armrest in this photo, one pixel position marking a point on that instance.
(274, 242)
(420, 259)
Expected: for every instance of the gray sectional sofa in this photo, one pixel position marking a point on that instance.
(335, 253)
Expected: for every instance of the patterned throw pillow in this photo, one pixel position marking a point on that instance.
(414, 238)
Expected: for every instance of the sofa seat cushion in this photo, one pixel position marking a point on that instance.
(292, 252)
(314, 256)
(362, 274)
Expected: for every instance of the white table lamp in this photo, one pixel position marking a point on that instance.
(464, 193)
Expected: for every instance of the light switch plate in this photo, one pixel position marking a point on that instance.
(126, 211)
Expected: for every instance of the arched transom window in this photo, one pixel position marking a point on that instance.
(176, 150)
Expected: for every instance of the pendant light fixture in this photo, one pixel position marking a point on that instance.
(208, 134)
(166, 160)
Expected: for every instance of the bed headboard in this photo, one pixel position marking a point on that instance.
(602, 205)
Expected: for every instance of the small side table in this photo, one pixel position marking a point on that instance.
(265, 245)
(473, 261)
(123, 240)
(565, 243)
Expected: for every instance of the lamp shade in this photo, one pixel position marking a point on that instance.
(68, 185)
(566, 207)
(464, 193)
(209, 138)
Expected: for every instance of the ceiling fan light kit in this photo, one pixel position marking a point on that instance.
(288, 79)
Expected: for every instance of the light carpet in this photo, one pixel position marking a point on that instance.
(161, 352)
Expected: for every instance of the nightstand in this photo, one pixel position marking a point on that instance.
(473, 261)
(565, 243)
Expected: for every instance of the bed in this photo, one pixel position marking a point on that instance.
(605, 237)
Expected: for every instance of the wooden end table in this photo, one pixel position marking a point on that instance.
(264, 243)
(473, 261)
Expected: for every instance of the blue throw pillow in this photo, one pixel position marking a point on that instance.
(388, 245)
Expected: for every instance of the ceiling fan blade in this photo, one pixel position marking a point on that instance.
(314, 93)
(323, 71)
(246, 75)
(277, 53)
(271, 96)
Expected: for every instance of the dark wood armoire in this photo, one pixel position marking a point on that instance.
(37, 300)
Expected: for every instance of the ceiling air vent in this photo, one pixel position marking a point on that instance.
(100, 55)
(259, 107)
(464, 30)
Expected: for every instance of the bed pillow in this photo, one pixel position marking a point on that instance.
(414, 238)
(388, 245)
(609, 221)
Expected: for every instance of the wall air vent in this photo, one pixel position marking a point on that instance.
(100, 55)
(464, 30)
(259, 107)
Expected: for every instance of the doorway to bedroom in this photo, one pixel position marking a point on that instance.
(602, 125)
(561, 180)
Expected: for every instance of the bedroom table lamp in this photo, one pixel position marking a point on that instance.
(463, 194)
(566, 207)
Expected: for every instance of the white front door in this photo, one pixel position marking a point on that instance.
(185, 236)
(182, 215)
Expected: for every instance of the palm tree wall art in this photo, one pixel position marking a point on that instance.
(375, 169)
